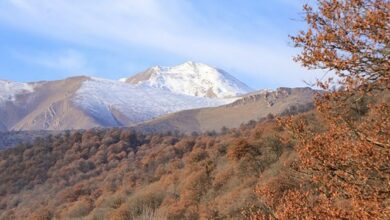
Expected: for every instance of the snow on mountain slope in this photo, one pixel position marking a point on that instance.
(193, 79)
(101, 98)
(85, 102)
(9, 90)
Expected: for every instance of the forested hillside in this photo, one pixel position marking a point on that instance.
(329, 163)
(120, 174)
(275, 168)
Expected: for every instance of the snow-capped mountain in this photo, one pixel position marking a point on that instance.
(85, 102)
(10, 90)
(193, 79)
(111, 100)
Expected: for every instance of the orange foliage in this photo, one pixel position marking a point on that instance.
(121, 174)
(343, 168)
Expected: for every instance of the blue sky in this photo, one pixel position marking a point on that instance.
(55, 39)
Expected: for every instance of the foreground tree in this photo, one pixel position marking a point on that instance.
(349, 37)
(343, 170)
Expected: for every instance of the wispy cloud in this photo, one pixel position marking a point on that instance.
(68, 61)
(173, 26)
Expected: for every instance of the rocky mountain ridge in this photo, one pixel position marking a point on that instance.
(86, 102)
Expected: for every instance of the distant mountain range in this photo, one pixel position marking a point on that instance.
(86, 102)
(188, 97)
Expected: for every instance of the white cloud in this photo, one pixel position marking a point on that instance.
(163, 25)
(70, 61)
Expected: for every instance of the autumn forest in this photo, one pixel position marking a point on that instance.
(331, 162)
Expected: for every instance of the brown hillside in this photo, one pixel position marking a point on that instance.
(119, 174)
(283, 101)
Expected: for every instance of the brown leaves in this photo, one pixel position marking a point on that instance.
(339, 174)
(349, 37)
(343, 168)
(239, 149)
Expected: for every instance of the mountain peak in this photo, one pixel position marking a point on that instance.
(191, 63)
(191, 78)
(10, 89)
